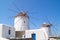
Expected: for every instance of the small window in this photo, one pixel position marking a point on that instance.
(24, 21)
(9, 32)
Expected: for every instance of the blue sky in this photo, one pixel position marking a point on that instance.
(38, 10)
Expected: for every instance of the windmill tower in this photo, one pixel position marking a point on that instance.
(47, 28)
(21, 22)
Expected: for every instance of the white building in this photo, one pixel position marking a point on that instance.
(6, 31)
(21, 22)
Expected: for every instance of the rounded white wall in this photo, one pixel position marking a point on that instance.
(21, 23)
(47, 31)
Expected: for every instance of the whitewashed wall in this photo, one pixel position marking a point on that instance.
(21, 23)
(4, 31)
(0, 30)
(40, 34)
(3, 38)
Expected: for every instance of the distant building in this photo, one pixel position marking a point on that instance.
(21, 30)
(6, 31)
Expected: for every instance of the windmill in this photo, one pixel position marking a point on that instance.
(24, 12)
(53, 29)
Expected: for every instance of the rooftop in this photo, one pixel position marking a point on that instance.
(22, 14)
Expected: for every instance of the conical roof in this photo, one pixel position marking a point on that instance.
(22, 14)
(46, 24)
